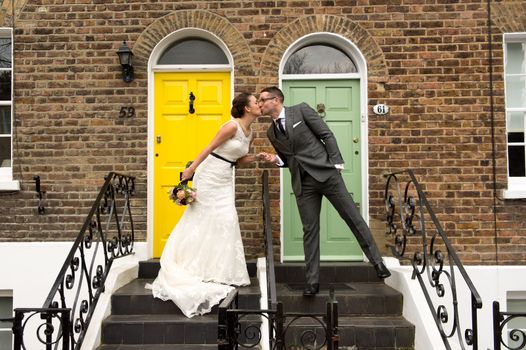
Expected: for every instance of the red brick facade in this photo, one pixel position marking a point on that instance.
(427, 60)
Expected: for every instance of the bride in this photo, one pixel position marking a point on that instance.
(203, 257)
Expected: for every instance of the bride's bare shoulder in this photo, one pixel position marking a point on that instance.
(230, 127)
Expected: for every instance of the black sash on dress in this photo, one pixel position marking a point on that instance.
(232, 164)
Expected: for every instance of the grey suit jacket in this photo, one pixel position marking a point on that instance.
(309, 144)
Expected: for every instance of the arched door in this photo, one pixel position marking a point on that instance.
(322, 76)
(190, 104)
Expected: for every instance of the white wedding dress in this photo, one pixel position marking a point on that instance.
(204, 255)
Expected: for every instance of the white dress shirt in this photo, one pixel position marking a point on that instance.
(279, 162)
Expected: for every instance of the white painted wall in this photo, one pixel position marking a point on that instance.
(263, 302)
(492, 282)
(30, 269)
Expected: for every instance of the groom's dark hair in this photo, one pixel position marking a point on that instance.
(274, 90)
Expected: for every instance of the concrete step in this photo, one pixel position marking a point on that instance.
(134, 299)
(150, 268)
(164, 329)
(330, 272)
(354, 299)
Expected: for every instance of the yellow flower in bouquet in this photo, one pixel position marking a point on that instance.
(183, 194)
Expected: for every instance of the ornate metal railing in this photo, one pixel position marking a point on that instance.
(52, 326)
(502, 323)
(107, 234)
(243, 327)
(412, 222)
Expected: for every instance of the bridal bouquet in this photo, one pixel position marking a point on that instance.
(183, 194)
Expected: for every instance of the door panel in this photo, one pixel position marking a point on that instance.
(180, 135)
(342, 104)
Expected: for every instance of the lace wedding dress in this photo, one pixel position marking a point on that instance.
(204, 256)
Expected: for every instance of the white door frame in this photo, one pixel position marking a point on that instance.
(358, 58)
(156, 53)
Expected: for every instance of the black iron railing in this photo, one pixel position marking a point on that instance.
(243, 327)
(503, 322)
(52, 327)
(238, 327)
(107, 234)
(269, 247)
(411, 220)
(269, 253)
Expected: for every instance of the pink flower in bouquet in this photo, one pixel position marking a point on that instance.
(181, 194)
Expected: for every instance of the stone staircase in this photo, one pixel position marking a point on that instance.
(140, 322)
(370, 312)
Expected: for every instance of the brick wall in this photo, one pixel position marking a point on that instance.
(427, 60)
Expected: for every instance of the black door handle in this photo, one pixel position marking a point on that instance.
(191, 110)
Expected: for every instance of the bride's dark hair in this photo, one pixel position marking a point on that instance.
(239, 103)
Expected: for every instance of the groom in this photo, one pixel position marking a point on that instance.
(306, 146)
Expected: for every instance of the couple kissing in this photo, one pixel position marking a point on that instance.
(203, 258)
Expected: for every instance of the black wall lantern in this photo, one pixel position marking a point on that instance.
(125, 57)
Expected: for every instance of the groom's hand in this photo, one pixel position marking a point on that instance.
(267, 157)
(262, 156)
(272, 158)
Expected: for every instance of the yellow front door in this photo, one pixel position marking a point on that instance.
(182, 128)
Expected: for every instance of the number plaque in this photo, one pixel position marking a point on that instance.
(380, 109)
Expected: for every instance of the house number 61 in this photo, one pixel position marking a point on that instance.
(127, 112)
(380, 109)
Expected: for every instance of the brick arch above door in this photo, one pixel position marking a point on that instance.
(509, 17)
(199, 19)
(7, 11)
(377, 68)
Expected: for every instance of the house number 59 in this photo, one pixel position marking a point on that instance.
(127, 112)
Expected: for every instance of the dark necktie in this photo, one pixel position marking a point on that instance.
(280, 125)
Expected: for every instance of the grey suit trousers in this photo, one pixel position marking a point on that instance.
(309, 205)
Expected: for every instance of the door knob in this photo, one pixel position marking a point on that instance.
(191, 109)
(356, 139)
(320, 108)
(158, 138)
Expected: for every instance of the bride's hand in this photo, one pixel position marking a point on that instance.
(187, 174)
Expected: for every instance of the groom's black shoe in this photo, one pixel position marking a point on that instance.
(382, 271)
(311, 290)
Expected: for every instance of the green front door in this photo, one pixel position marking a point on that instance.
(342, 114)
